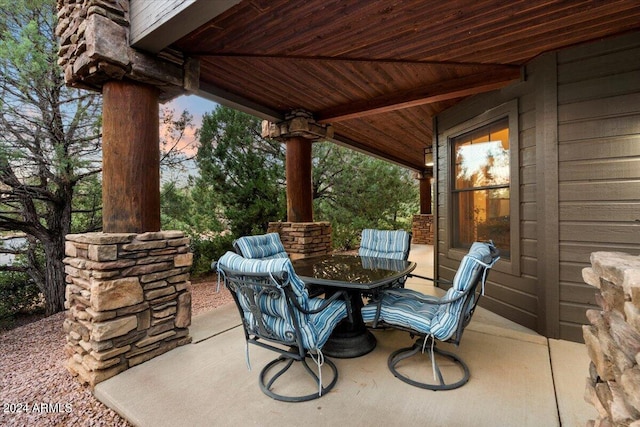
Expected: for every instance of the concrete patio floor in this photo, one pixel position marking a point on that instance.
(518, 378)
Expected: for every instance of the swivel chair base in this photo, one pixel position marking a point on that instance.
(267, 382)
(458, 369)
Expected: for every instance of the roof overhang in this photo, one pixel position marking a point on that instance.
(377, 71)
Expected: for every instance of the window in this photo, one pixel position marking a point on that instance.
(481, 176)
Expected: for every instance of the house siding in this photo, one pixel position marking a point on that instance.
(579, 118)
(598, 164)
(512, 296)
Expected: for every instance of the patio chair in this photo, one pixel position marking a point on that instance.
(388, 244)
(267, 246)
(277, 314)
(263, 246)
(435, 319)
(394, 244)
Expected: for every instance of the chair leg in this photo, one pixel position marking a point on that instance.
(459, 368)
(267, 381)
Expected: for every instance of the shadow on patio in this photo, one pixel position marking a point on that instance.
(517, 378)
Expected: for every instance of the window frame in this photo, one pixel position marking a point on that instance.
(507, 110)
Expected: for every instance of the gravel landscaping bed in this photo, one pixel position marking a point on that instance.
(37, 390)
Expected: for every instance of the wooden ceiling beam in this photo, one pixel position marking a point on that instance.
(237, 102)
(450, 89)
(374, 152)
(341, 59)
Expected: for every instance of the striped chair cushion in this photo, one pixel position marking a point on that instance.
(384, 244)
(314, 328)
(264, 246)
(401, 307)
(326, 320)
(402, 310)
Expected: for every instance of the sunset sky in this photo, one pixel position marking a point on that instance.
(197, 107)
(194, 104)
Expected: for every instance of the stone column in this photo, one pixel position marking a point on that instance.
(613, 339)
(303, 239)
(422, 226)
(300, 236)
(94, 49)
(422, 229)
(126, 295)
(127, 299)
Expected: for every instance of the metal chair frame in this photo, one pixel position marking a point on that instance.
(254, 286)
(426, 341)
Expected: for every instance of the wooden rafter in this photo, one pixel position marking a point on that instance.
(482, 78)
(451, 89)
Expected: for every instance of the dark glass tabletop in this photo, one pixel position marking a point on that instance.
(351, 271)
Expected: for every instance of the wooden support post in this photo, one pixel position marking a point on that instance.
(298, 130)
(425, 192)
(299, 184)
(130, 158)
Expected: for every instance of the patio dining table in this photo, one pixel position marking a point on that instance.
(356, 275)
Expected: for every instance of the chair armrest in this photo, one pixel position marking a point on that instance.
(429, 299)
(338, 294)
(413, 295)
(421, 277)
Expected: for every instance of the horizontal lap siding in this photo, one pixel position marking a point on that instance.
(598, 181)
(513, 297)
(526, 284)
(599, 164)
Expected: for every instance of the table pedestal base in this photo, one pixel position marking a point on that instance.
(345, 345)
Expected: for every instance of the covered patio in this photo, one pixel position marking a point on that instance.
(400, 82)
(518, 377)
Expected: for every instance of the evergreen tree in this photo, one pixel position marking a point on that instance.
(49, 141)
(242, 171)
(245, 175)
(354, 191)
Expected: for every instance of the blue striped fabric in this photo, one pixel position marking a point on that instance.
(315, 328)
(384, 244)
(401, 307)
(374, 263)
(264, 246)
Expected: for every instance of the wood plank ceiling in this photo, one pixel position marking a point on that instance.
(378, 71)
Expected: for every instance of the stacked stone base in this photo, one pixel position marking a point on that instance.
(303, 239)
(127, 300)
(422, 229)
(613, 339)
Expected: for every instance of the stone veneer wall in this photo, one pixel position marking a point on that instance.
(613, 339)
(127, 300)
(94, 49)
(303, 239)
(422, 229)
